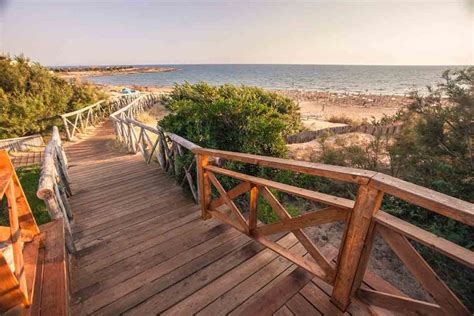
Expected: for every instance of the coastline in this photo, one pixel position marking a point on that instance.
(320, 109)
(75, 72)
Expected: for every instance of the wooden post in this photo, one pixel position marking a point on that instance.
(131, 144)
(204, 186)
(253, 209)
(55, 212)
(351, 254)
(15, 237)
(67, 129)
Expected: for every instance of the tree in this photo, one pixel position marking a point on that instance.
(31, 97)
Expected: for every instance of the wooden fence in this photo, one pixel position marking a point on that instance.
(22, 143)
(307, 136)
(362, 216)
(15, 289)
(78, 121)
(54, 185)
(153, 143)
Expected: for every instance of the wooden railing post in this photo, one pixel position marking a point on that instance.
(15, 238)
(131, 139)
(204, 187)
(352, 250)
(253, 209)
(66, 127)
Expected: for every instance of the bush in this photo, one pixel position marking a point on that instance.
(31, 97)
(241, 119)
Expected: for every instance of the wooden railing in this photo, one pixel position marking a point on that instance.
(78, 121)
(54, 185)
(153, 143)
(362, 217)
(22, 143)
(14, 288)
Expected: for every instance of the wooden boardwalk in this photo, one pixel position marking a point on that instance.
(143, 249)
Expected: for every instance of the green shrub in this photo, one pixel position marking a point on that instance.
(241, 119)
(32, 98)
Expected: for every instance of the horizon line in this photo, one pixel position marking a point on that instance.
(270, 64)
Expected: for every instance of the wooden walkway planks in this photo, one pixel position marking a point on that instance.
(143, 249)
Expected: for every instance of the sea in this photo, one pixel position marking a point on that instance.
(386, 80)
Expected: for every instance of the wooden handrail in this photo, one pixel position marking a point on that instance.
(80, 120)
(84, 109)
(54, 185)
(317, 169)
(443, 204)
(440, 203)
(363, 218)
(450, 249)
(22, 143)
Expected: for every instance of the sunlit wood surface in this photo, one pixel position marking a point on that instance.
(143, 248)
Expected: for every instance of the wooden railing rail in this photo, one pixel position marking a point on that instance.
(54, 185)
(78, 121)
(363, 219)
(22, 143)
(154, 143)
(13, 284)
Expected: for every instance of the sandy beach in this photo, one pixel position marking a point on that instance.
(319, 108)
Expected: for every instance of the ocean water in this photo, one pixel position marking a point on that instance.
(337, 78)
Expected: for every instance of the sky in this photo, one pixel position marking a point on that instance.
(231, 32)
